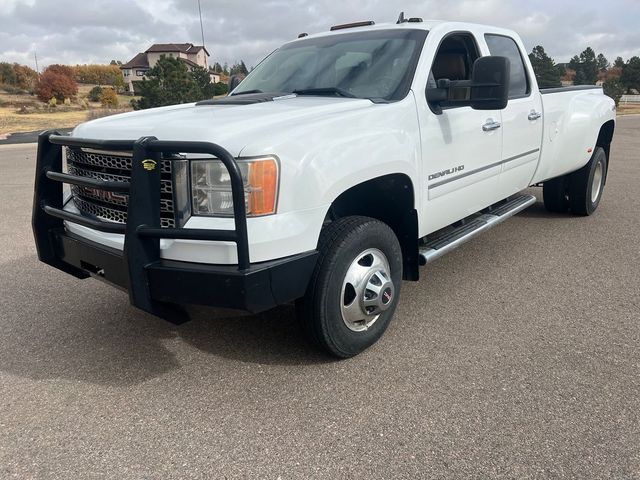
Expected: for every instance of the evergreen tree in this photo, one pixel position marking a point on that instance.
(630, 77)
(171, 82)
(544, 67)
(586, 67)
(204, 87)
(618, 63)
(614, 88)
(603, 63)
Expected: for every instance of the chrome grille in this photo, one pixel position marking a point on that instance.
(166, 186)
(113, 166)
(112, 214)
(112, 160)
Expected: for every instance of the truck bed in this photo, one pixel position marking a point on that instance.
(572, 119)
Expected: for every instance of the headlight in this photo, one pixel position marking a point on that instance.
(211, 187)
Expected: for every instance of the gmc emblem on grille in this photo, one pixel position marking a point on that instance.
(106, 196)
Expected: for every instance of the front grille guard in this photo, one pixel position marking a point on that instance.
(142, 231)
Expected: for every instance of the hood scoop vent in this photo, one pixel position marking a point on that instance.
(248, 99)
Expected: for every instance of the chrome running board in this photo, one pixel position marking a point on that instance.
(450, 238)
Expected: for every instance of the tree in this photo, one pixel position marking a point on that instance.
(99, 74)
(170, 82)
(220, 88)
(56, 82)
(19, 76)
(26, 77)
(544, 67)
(603, 63)
(217, 68)
(239, 69)
(614, 88)
(630, 77)
(203, 82)
(7, 75)
(586, 67)
(61, 69)
(618, 62)
(108, 97)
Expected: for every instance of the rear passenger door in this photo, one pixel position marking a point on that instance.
(521, 120)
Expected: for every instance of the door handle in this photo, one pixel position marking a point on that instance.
(534, 115)
(491, 125)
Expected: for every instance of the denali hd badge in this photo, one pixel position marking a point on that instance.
(149, 164)
(443, 173)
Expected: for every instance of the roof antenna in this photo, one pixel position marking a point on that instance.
(401, 19)
(201, 28)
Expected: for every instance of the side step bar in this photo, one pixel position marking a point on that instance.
(450, 238)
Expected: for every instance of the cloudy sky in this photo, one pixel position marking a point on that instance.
(96, 31)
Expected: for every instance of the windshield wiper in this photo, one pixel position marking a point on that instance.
(335, 91)
(246, 92)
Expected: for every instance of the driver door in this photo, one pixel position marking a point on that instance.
(461, 147)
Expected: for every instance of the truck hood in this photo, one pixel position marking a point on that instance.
(230, 126)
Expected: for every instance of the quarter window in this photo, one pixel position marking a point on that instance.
(502, 46)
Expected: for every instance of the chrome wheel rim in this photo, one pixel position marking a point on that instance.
(367, 290)
(596, 184)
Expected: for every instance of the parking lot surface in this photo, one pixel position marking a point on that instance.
(516, 356)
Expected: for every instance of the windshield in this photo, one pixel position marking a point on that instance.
(377, 65)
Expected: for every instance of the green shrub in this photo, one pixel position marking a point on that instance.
(94, 93)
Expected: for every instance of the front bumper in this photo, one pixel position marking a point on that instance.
(256, 289)
(156, 285)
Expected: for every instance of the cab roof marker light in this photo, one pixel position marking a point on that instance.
(353, 25)
(403, 19)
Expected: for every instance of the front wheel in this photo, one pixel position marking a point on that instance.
(355, 287)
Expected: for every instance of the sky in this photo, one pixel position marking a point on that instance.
(97, 31)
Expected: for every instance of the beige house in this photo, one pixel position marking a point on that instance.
(193, 55)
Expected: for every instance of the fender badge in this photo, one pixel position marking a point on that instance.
(149, 164)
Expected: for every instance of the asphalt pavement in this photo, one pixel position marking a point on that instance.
(516, 356)
(26, 137)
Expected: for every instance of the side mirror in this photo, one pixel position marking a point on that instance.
(234, 81)
(490, 83)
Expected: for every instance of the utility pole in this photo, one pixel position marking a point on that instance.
(35, 56)
(201, 27)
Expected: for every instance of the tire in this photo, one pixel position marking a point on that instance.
(555, 195)
(351, 278)
(587, 184)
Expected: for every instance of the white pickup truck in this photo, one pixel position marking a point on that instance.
(341, 164)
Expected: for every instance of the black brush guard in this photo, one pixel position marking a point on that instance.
(155, 285)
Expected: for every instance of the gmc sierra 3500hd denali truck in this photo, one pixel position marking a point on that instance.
(341, 164)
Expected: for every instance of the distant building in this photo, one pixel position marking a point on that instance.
(193, 55)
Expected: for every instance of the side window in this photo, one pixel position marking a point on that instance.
(502, 46)
(454, 61)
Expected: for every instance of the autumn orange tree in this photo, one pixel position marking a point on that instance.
(56, 81)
